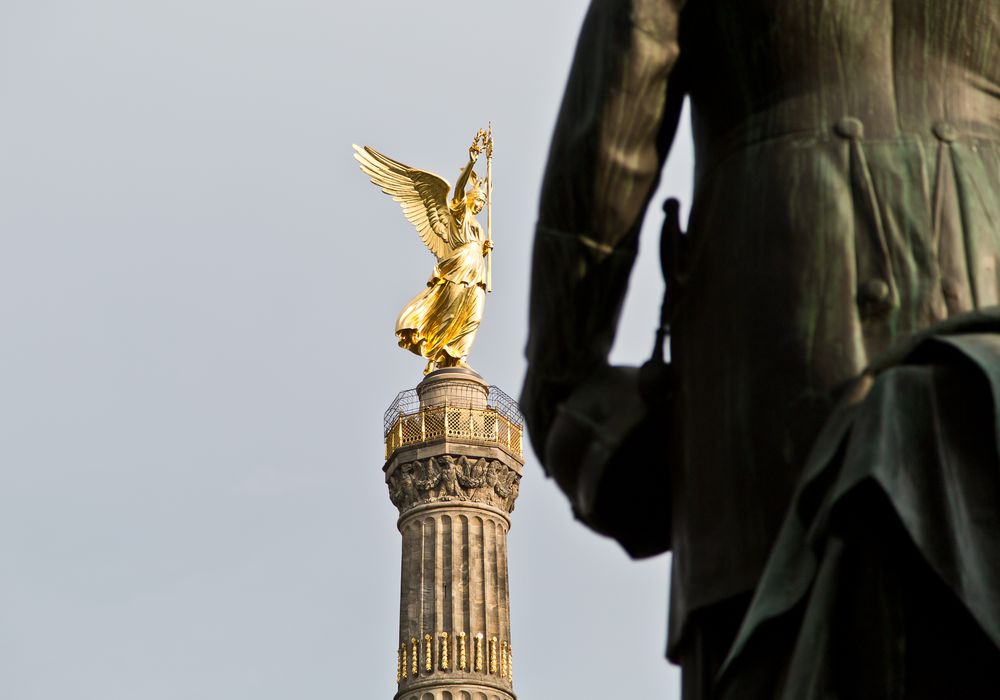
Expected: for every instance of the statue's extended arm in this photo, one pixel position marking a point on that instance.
(615, 126)
(463, 179)
(478, 143)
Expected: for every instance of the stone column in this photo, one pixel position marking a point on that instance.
(453, 468)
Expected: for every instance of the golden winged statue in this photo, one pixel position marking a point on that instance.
(441, 322)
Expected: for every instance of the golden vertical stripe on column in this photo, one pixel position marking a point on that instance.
(428, 654)
(404, 661)
(461, 651)
(413, 644)
(510, 663)
(503, 659)
(493, 655)
(397, 666)
(444, 651)
(479, 653)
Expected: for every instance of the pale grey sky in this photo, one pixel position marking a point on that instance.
(197, 297)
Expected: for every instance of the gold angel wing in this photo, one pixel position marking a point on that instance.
(423, 196)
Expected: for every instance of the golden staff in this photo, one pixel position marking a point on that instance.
(489, 208)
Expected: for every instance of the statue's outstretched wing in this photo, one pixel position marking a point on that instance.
(423, 196)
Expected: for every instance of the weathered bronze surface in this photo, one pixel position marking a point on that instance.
(884, 581)
(847, 194)
(441, 322)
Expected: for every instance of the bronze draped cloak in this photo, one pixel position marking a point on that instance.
(884, 581)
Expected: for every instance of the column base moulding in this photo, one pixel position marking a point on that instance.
(454, 689)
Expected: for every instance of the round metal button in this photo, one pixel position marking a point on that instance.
(849, 128)
(875, 290)
(945, 131)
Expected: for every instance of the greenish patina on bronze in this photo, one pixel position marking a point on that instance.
(884, 581)
(847, 195)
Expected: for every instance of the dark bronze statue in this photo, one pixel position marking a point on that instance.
(847, 196)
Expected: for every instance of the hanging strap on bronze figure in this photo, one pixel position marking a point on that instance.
(655, 380)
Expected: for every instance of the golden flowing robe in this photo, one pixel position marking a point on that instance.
(441, 322)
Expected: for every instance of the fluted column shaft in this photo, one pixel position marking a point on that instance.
(454, 587)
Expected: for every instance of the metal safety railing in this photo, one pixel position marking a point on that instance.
(499, 423)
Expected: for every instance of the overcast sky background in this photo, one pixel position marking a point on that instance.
(197, 296)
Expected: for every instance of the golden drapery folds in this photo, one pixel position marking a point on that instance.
(441, 322)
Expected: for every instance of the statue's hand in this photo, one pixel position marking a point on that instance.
(487, 246)
(478, 143)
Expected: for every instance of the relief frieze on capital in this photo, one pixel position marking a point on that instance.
(454, 478)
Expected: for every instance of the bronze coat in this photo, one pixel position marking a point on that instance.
(847, 192)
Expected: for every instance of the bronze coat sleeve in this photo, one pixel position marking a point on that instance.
(614, 129)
